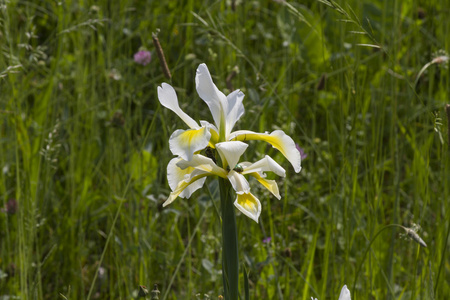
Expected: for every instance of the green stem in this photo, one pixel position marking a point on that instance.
(230, 258)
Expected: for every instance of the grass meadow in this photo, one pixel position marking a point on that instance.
(84, 147)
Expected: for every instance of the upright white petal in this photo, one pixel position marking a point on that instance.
(249, 205)
(231, 152)
(267, 164)
(168, 98)
(175, 175)
(235, 109)
(278, 139)
(207, 90)
(238, 182)
(185, 143)
(345, 293)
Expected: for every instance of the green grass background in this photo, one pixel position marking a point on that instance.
(84, 148)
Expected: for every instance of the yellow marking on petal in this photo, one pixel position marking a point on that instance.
(250, 205)
(271, 185)
(276, 142)
(214, 139)
(181, 187)
(279, 140)
(191, 135)
(186, 142)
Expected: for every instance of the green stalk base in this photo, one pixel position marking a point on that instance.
(230, 257)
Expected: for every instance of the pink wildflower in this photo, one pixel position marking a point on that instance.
(143, 57)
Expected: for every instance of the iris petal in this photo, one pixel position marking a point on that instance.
(175, 175)
(214, 133)
(168, 98)
(235, 109)
(267, 164)
(230, 152)
(203, 163)
(278, 139)
(207, 90)
(249, 205)
(182, 186)
(238, 182)
(271, 185)
(345, 293)
(185, 142)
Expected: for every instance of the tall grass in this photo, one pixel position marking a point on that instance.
(84, 147)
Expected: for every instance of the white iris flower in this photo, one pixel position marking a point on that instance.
(188, 171)
(185, 177)
(345, 294)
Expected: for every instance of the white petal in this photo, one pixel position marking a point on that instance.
(175, 175)
(214, 133)
(249, 205)
(204, 164)
(231, 152)
(267, 164)
(345, 293)
(207, 90)
(168, 98)
(238, 182)
(235, 109)
(187, 186)
(182, 186)
(278, 139)
(185, 143)
(209, 125)
(190, 189)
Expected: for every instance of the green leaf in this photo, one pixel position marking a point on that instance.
(246, 290)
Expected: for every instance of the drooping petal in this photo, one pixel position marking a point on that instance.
(267, 164)
(185, 142)
(168, 98)
(238, 182)
(278, 139)
(204, 164)
(345, 293)
(207, 90)
(230, 152)
(235, 109)
(271, 185)
(182, 186)
(249, 205)
(175, 175)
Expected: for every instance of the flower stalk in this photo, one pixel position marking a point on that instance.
(230, 257)
(447, 110)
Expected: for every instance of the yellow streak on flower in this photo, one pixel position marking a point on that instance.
(188, 138)
(271, 185)
(249, 203)
(214, 139)
(273, 140)
(181, 186)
